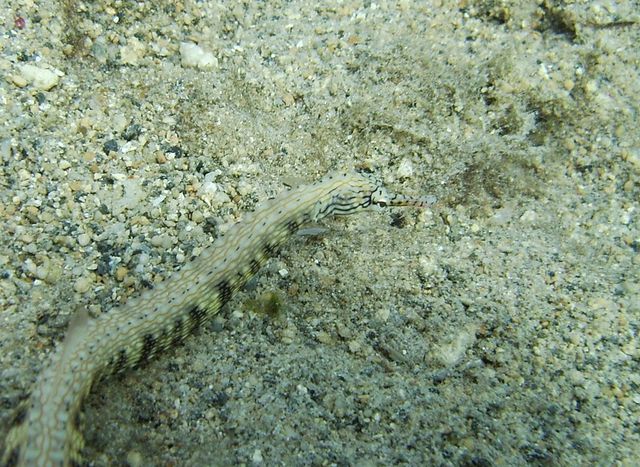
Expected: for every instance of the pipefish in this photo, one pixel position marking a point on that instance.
(45, 429)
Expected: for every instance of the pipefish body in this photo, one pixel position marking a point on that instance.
(45, 429)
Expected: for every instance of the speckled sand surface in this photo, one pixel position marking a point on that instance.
(499, 328)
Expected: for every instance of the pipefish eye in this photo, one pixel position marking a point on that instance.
(379, 197)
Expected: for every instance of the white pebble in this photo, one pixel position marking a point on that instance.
(194, 56)
(84, 239)
(133, 52)
(405, 170)
(41, 78)
(257, 458)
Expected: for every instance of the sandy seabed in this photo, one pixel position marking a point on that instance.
(499, 327)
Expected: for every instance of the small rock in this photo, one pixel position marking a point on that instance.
(324, 337)
(383, 314)
(41, 78)
(133, 52)
(502, 215)
(343, 331)
(47, 271)
(110, 146)
(134, 459)
(288, 100)
(453, 351)
(354, 346)
(161, 241)
(19, 81)
(82, 285)
(197, 217)
(194, 56)
(257, 458)
(132, 132)
(84, 239)
(405, 169)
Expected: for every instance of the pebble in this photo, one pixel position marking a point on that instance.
(161, 241)
(452, 352)
(343, 331)
(41, 78)
(48, 272)
(121, 273)
(197, 217)
(324, 337)
(19, 81)
(134, 458)
(82, 284)
(133, 52)
(354, 346)
(288, 334)
(405, 170)
(194, 56)
(84, 239)
(383, 314)
(257, 458)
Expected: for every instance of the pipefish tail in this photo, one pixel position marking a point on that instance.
(45, 428)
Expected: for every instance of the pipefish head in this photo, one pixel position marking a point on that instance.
(357, 191)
